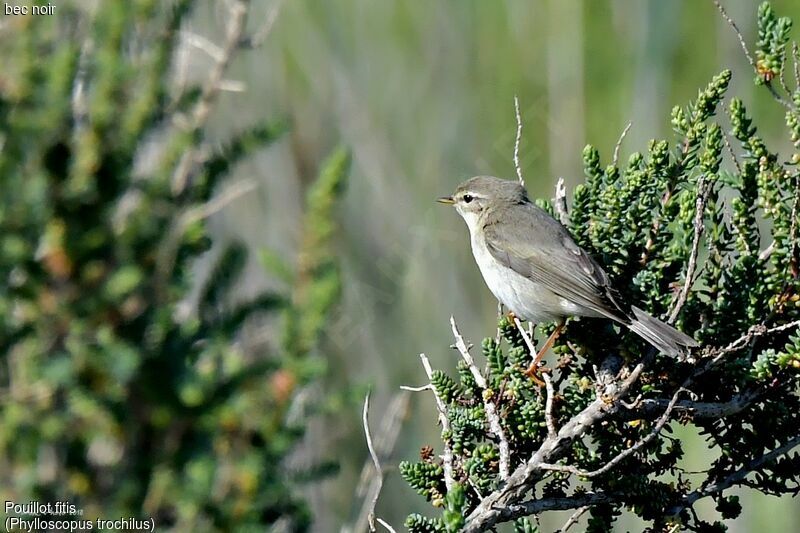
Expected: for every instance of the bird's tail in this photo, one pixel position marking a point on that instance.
(662, 336)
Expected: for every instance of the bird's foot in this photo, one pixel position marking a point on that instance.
(533, 373)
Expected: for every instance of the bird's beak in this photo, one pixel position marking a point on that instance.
(446, 200)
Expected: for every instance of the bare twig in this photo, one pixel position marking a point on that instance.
(715, 410)
(577, 501)
(217, 203)
(766, 252)
(573, 519)
(532, 507)
(488, 404)
(265, 29)
(625, 453)
(213, 50)
(548, 406)
(737, 477)
(211, 89)
(78, 97)
(498, 333)
(752, 333)
(796, 62)
(369, 485)
(793, 227)
(517, 166)
(749, 56)
(560, 203)
(700, 206)
(503, 504)
(385, 525)
(728, 145)
(375, 461)
(620, 141)
(416, 389)
(447, 456)
(735, 28)
(168, 248)
(525, 337)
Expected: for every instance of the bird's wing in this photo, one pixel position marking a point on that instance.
(538, 247)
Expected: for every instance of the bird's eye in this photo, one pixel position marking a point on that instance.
(468, 198)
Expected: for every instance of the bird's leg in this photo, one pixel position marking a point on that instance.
(534, 366)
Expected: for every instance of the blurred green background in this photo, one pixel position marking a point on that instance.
(422, 93)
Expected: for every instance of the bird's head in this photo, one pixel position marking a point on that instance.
(474, 196)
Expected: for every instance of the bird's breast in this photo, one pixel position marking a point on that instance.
(527, 299)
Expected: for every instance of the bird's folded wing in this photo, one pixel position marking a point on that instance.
(546, 254)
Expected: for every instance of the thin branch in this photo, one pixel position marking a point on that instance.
(217, 203)
(731, 151)
(737, 477)
(625, 453)
(754, 332)
(525, 337)
(258, 38)
(749, 56)
(619, 143)
(793, 227)
(517, 166)
(715, 410)
(700, 206)
(385, 525)
(515, 510)
(416, 389)
(375, 461)
(548, 406)
(560, 203)
(796, 62)
(503, 504)
(369, 486)
(205, 44)
(488, 404)
(532, 507)
(447, 456)
(573, 519)
(211, 89)
(735, 28)
(766, 252)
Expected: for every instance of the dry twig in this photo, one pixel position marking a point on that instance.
(517, 166)
(488, 403)
(211, 89)
(560, 203)
(620, 141)
(548, 406)
(625, 453)
(447, 456)
(700, 206)
(573, 519)
(749, 56)
(375, 461)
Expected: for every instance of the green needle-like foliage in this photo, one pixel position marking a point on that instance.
(112, 396)
(702, 227)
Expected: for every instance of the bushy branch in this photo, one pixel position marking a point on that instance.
(680, 236)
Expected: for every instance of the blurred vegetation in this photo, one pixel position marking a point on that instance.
(118, 393)
(640, 220)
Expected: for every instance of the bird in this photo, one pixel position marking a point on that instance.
(532, 265)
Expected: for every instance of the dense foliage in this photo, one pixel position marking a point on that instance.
(113, 396)
(712, 248)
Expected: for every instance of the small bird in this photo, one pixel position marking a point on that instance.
(532, 265)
